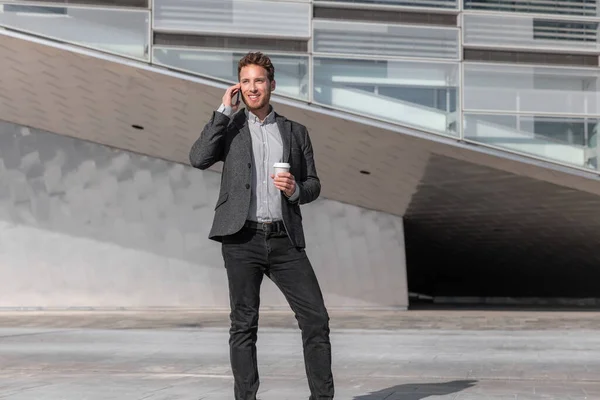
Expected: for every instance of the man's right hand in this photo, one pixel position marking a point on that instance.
(228, 97)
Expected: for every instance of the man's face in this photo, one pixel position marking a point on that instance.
(256, 87)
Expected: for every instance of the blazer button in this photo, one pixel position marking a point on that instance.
(249, 165)
(247, 186)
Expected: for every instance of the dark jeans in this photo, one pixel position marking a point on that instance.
(249, 255)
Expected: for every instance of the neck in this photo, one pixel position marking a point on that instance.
(262, 113)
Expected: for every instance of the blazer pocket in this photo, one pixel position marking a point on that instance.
(222, 199)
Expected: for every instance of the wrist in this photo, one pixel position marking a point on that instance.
(225, 110)
(294, 194)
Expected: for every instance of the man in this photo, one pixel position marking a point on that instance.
(258, 221)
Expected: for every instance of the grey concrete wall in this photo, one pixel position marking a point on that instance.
(83, 225)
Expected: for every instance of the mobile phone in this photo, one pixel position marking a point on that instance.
(235, 98)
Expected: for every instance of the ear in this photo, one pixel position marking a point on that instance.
(273, 84)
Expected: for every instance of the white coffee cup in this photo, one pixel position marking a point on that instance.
(281, 167)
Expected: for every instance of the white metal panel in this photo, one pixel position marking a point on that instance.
(344, 37)
(234, 17)
(528, 31)
(561, 7)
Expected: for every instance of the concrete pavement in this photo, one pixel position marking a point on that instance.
(427, 319)
(460, 363)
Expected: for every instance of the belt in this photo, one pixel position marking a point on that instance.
(275, 226)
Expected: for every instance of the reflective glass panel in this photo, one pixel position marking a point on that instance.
(291, 72)
(384, 39)
(422, 95)
(530, 89)
(123, 32)
(567, 140)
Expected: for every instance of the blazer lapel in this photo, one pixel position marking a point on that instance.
(241, 121)
(285, 130)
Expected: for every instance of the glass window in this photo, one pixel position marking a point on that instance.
(531, 89)
(441, 99)
(528, 32)
(234, 17)
(123, 32)
(568, 140)
(381, 39)
(408, 93)
(291, 72)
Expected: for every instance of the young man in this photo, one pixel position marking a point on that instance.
(258, 221)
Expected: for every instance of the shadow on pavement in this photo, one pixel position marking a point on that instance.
(418, 391)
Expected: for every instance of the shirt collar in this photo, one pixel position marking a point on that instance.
(268, 120)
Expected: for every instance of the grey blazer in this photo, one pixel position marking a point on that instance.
(228, 140)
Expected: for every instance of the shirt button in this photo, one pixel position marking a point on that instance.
(247, 186)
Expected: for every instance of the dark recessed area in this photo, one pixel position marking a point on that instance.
(141, 128)
(328, 12)
(229, 42)
(112, 3)
(530, 57)
(506, 236)
(365, 172)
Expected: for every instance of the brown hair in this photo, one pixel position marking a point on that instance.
(259, 59)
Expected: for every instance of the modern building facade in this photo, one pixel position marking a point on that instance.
(456, 139)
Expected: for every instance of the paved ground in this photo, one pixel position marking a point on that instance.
(453, 319)
(80, 355)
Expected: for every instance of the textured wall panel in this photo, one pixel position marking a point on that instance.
(85, 225)
(378, 39)
(524, 31)
(588, 8)
(234, 17)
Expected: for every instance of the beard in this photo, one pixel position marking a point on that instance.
(264, 101)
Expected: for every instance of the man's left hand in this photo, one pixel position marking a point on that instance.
(285, 182)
